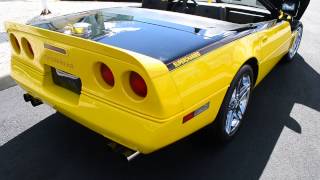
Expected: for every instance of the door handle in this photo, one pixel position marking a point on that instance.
(264, 39)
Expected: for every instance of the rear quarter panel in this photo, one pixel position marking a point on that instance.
(207, 78)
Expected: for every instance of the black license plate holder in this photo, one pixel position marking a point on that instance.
(66, 80)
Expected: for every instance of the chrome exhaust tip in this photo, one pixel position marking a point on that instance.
(132, 156)
(128, 154)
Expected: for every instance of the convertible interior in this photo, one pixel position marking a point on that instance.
(216, 10)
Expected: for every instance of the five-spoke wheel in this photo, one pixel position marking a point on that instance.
(238, 103)
(234, 106)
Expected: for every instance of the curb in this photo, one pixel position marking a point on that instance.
(5, 79)
(5, 55)
(6, 82)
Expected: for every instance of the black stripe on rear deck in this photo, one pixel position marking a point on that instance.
(241, 32)
(210, 47)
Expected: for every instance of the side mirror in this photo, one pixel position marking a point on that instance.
(291, 7)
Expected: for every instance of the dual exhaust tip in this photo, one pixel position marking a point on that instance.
(34, 101)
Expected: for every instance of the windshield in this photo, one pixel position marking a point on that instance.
(253, 3)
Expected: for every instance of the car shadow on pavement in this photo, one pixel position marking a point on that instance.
(59, 148)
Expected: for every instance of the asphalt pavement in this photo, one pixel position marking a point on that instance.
(279, 139)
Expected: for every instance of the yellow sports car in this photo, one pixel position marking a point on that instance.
(145, 77)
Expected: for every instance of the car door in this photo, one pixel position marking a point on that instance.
(274, 43)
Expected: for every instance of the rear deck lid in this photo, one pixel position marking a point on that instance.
(161, 35)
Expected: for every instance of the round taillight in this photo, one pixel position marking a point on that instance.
(138, 84)
(27, 48)
(14, 43)
(107, 75)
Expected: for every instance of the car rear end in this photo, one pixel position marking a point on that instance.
(127, 97)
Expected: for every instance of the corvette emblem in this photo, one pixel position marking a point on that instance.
(59, 61)
(54, 48)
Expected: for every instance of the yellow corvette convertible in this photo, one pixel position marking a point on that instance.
(145, 77)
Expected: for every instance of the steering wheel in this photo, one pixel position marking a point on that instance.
(183, 6)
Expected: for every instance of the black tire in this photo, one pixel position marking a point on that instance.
(290, 56)
(221, 120)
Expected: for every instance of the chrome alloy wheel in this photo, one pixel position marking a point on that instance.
(295, 45)
(238, 104)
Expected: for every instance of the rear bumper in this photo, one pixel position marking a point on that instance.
(132, 130)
